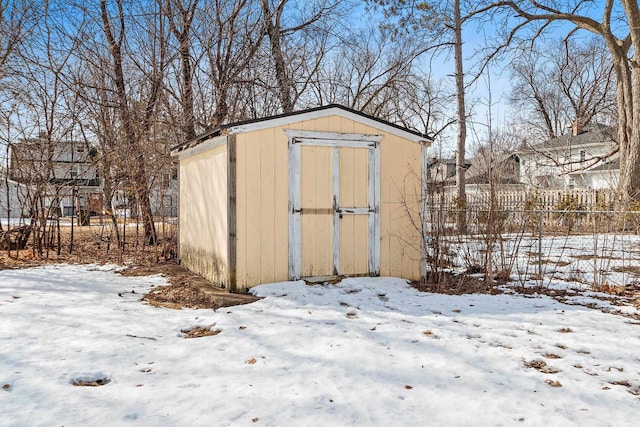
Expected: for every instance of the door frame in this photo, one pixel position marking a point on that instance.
(297, 139)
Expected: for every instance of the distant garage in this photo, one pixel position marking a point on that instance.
(322, 192)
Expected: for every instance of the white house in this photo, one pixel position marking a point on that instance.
(62, 171)
(584, 159)
(163, 196)
(12, 197)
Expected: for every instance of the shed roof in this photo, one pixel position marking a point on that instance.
(296, 116)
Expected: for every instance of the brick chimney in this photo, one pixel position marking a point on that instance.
(578, 128)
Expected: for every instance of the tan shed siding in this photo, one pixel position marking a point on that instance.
(241, 212)
(281, 209)
(262, 207)
(267, 206)
(400, 169)
(262, 201)
(203, 214)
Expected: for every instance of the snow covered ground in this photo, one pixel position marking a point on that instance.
(566, 261)
(368, 351)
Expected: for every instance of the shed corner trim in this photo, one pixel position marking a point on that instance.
(202, 147)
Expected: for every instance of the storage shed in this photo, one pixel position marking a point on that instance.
(321, 192)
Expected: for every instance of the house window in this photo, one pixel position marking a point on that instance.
(76, 171)
(572, 183)
(583, 156)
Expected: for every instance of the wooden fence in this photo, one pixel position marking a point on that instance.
(520, 199)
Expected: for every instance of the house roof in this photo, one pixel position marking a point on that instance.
(58, 151)
(284, 119)
(592, 134)
(435, 161)
(607, 166)
(478, 173)
(602, 166)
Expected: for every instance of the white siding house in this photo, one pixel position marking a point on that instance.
(63, 172)
(583, 159)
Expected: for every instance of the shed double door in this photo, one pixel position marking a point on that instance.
(336, 208)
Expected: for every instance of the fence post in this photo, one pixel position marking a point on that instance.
(540, 244)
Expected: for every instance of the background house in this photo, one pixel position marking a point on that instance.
(62, 173)
(163, 196)
(12, 197)
(443, 171)
(580, 160)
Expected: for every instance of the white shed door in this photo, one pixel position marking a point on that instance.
(334, 211)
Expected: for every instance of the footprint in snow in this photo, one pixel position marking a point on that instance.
(351, 314)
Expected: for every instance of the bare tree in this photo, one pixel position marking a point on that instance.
(562, 82)
(618, 26)
(365, 72)
(230, 36)
(180, 15)
(462, 119)
(136, 122)
(16, 20)
(441, 24)
(282, 21)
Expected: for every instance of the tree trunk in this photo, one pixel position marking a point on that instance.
(462, 122)
(183, 36)
(139, 175)
(188, 118)
(630, 166)
(271, 22)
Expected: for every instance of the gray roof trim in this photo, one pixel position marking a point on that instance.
(283, 119)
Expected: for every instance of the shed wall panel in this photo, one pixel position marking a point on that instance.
(203, 214)
(400, 170)
(255, 210)
(267, 206)
(281, 207)
(241, 209)
(262, 201)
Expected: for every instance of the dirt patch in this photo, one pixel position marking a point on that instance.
(631, 269)
(540, 366)
(599, 257)
(200, 331)
(187, 289)
(180, 295)
(90, 382)
(457, 284)
(95, 244)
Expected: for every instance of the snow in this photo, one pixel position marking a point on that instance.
(367, 351)
(568, 261)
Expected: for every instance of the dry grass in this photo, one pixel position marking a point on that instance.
(452, 284)
(92, 245)
(91, 382)
(200, 331)
(95, 244)
(180, 295)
